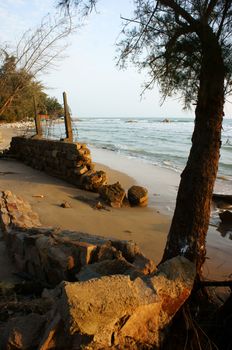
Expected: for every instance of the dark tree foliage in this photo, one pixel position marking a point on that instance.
(17, 90)
(36, 52)
(50, 106)
(166, 38)
(186, 47)
(12, 82)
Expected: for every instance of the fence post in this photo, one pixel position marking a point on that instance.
(67, 120)
(38, 126)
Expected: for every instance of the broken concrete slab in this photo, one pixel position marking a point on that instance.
(114, 309)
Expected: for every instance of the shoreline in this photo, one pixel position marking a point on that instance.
(146, 226)
(162, 183)
(165, 183)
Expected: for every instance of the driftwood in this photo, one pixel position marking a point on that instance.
(216, 284)
(226, 198)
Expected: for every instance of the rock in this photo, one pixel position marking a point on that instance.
(166, 120)
(105, 268)
(99, 206)
(115, 309)
(144, 265)
(66, 204)
(108, 252)
(93, 180)
(129, 249)
(226, 217)
(126, 203)
(138, 196)
(48, 340)
(117, 266)
(23, 332)
(81, 170)
(15, 212)
(113, 195)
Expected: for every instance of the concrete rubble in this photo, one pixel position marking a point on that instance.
(138, 196)
(113, 195)
(100, 293)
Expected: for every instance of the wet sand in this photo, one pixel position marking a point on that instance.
(163, 186)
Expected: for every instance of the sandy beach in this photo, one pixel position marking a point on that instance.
(146, 226)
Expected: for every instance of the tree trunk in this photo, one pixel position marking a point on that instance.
(191, 217)
(6, 104)
(10, 99)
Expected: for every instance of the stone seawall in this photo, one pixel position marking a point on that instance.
(69, 161)
(52, 256)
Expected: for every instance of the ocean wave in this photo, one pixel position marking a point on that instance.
(148, 139)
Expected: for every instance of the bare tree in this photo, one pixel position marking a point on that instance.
(37, 52)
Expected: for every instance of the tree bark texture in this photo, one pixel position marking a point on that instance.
(191, 217)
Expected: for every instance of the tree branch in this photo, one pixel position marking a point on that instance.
(210, 8)
(176, 35)
(226, 8)
(216, 284)
(142, 32)
(179, 10)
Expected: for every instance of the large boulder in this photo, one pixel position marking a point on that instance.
(117, 311)
(138, 196)
(113, 195)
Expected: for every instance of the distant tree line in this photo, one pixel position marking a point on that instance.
(21, 104)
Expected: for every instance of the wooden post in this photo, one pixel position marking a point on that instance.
(37, 121)
(67, 120)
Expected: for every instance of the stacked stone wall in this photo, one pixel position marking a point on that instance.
(69, 161)
(52, 256)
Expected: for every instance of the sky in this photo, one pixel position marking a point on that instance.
(94, 85)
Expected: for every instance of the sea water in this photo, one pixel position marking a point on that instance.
(165, 143)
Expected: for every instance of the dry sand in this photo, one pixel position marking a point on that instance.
(145, 226)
